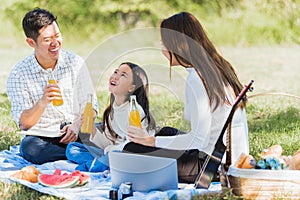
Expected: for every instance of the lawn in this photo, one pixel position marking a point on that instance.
(272, 119)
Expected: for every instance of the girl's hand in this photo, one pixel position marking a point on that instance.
(140, 136)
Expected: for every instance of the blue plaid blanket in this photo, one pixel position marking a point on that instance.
(97, 188)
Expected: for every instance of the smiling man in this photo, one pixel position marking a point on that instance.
(31, 94)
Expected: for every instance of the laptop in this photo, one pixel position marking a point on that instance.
(146, 173)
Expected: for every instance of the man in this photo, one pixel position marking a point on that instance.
(31, 95)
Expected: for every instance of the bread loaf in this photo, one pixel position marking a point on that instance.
(28, 173)
(272, 151)
(245, 161)
(30, 169)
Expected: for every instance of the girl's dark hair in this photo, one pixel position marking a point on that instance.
(36, 19)
(186, 40)
(141, 90)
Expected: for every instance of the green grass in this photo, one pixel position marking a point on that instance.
(269, 123)
(275, 68)
(272, 119)
(15, 191)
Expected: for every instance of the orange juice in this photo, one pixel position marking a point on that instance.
(88, 114)
(56, 102)
(135, 119)
(134, 116)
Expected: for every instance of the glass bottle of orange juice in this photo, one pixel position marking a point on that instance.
(55, 102)
(134, 116)
(88, 114)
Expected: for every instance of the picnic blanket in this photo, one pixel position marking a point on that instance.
(97, 188)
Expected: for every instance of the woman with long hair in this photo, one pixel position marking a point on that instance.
(211, 88)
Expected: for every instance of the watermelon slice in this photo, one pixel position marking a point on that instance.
(83, 178)
(57, 171)
(58, 181)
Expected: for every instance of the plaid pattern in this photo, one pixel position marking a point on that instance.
(26, 82)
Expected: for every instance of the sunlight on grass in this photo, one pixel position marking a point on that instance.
(258, 46)
(271, 121)
(274, 121)
(17, 191)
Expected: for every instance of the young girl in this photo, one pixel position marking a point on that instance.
(128, 79)
(211, 88)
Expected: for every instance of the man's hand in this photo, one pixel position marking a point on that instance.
(71, 133)
(32, 115)
(51, 92)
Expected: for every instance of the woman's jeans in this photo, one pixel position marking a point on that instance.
(88, 158)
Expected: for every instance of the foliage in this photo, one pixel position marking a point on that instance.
(228, 22)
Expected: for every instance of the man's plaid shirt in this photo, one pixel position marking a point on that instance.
(26, 82)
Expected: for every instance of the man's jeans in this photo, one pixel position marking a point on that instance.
(39, 150)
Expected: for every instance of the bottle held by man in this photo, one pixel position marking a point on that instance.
(52, 80)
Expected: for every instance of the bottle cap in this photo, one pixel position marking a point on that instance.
(113, 194)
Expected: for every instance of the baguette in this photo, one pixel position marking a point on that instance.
(294, 162)
(297, 152)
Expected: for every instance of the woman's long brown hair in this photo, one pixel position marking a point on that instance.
(186, 40)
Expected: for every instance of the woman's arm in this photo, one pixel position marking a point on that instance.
(199, 115)
(198, 112)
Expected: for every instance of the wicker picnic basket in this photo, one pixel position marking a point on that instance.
(260, 184)
(264, 184)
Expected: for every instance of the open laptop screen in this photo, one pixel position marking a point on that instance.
(146, 173)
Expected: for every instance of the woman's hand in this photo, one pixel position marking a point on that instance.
(140, 136)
